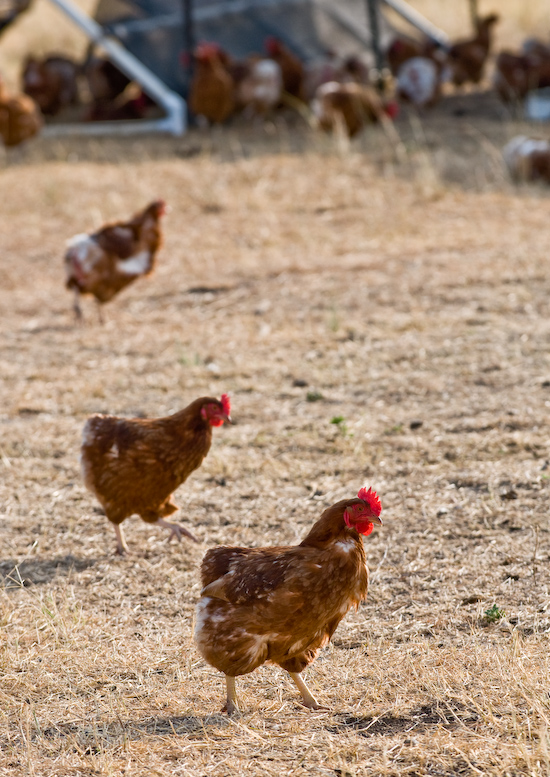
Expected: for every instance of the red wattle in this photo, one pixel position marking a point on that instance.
(365, 527)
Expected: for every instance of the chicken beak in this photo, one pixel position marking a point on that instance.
(227, 418)
(375, 519)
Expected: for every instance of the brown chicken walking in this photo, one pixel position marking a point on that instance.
(133, 465)
(283, 604)
(104, 263)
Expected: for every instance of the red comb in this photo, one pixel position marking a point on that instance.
(272, 45)
(371, 498)
(205, 50)
(226, 404)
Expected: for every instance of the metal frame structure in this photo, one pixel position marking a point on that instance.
(175, 121)
(419, 21)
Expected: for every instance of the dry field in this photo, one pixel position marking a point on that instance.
(410, 300)
(377, 318)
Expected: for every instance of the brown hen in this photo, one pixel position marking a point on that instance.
(107, 261)
(292, 69)
(20, 117)
(212, 90)
(349, 107)
(283, 604)
(51, 82)
(467, 58)
(133, 465)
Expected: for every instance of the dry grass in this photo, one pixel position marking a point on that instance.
(517, 20)
(392, 292)
(396, 301)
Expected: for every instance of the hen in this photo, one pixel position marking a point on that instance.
(20, 117)
(131, 105)
(527, 159)
(419, 81)
(51, 82)
(402, 48)
(105, 81)
(350, 106)
(292, 70)
(283, 604)
(211, 92)
(105, 262)
(134, 465)
(467, 58)
(517, 74)
(258, 85)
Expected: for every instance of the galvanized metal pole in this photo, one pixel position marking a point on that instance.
(420, 22)
(373, 12)
(188, 40)
(175, 120)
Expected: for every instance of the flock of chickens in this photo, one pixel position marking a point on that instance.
(330, 93)
(257, 604)
(55, 82)
(421, 68)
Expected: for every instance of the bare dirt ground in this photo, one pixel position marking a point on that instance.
(377, 320)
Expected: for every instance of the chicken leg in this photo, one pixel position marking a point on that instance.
(121, 547)
(231, 706)
(76, 306)
(100, 313)
(307, 697)
(177, 530)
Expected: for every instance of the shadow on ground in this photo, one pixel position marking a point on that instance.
(38, 571)
(94, 738)
(449, 716)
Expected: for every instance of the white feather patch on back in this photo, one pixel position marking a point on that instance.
(84, 251)
(516, 154)
(202, 615)
(135, 265)
(418, 79)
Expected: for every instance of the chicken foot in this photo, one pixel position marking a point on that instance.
(307, 697)
(231, 705)
(177, 530)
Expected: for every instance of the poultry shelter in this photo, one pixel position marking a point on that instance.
(151, 40)
(155, 30)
